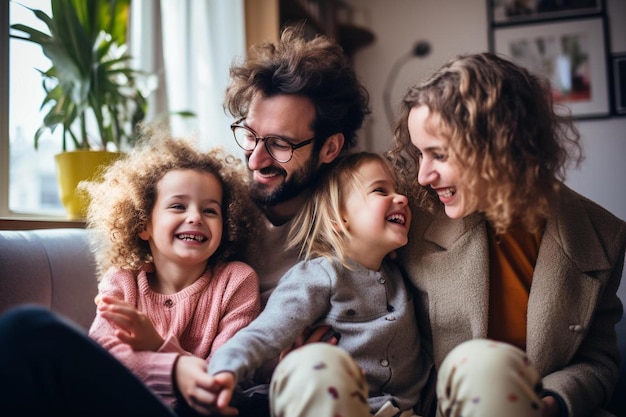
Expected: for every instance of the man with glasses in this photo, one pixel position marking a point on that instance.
(297, 105)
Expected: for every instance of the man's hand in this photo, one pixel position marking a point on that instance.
(132, 326)
(323, 333)
(204, 394)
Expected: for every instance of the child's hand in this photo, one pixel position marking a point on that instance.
(226, 385)
(206, 394)
(550, 407)
(133, 326)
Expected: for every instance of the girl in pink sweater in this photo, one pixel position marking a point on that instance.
(168, 223)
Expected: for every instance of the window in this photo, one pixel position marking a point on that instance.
(196, 73)
(30, 175)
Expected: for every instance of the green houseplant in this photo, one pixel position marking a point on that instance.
(90, 74)
(91, 92)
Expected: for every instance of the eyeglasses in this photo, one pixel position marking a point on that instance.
(280, 149)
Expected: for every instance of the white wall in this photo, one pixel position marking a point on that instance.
(450, 26)
(461, 26)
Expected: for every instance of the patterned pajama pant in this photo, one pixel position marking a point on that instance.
(478, 378)
(487, 378)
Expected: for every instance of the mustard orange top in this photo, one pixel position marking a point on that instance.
(512, 258)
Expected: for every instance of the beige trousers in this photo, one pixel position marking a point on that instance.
(322, 380)
(478, 378)
(486, 378)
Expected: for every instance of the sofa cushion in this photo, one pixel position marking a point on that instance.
(54, 268)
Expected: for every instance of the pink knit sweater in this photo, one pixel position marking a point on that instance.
(195, 321)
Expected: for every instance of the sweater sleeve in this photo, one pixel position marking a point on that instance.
(153, 368)
(301, 297)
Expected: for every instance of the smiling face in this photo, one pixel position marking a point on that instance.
(437, 169)
(289, 117)
(375, 214)
(279, 188)
(185, 227)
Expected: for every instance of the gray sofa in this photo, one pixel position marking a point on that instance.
(55, 268)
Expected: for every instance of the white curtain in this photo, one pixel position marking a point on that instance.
(189, 46)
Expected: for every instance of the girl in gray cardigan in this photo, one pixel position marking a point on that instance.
(355, 219)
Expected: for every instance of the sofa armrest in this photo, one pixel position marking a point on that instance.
(53, 267)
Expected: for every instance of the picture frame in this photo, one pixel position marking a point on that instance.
(619, 83)
(571, 53)
(503, 12)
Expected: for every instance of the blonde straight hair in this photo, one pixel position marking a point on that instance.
(318, 229)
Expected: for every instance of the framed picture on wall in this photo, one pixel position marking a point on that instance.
(571, 53)
(516, 11)
(619, 82)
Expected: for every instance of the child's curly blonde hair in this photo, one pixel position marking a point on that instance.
(121, 204)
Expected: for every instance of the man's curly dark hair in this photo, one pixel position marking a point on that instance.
(317, 69)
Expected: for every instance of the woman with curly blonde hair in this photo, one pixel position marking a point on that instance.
(506, 254)
(168, 223)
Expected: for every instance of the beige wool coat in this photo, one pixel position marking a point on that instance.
(572, 308)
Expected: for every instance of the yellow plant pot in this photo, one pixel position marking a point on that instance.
(74, 167)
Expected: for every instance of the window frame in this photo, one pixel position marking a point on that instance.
(4, 108)
(12, 220)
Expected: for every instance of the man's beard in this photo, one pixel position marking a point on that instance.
(300, 180)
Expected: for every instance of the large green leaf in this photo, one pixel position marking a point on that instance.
(90, 72)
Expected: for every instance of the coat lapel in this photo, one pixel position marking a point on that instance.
(564, 291)
(456, 278)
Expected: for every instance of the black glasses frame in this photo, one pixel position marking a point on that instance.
(294, 146)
